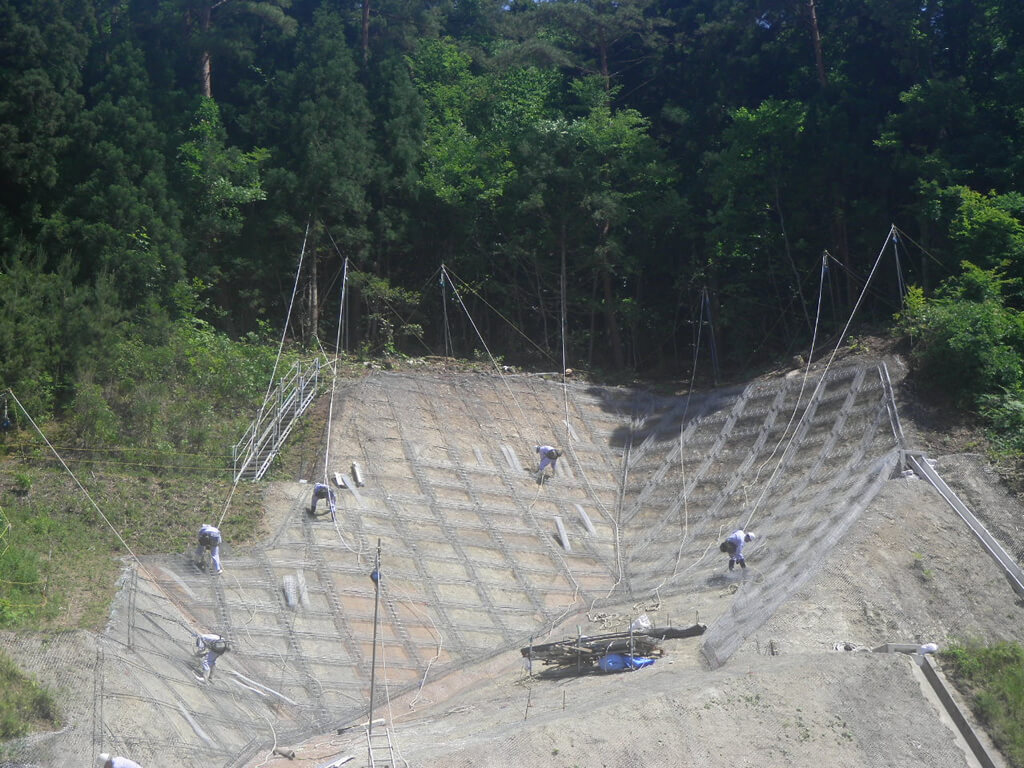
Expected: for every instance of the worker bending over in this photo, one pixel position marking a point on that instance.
(548, 456)
(209, 538)
(211, 647)
(733, 546)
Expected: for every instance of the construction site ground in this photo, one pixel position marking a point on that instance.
(479, 560)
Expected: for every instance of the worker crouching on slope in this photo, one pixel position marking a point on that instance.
(322, 491)
(548, 456)
(733, 546)
(210, 647)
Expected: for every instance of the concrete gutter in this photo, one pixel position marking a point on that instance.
(938, 684)
(919, 462)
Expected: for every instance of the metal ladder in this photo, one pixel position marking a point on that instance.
(381, 750)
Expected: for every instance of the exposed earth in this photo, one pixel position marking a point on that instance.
(852, 554)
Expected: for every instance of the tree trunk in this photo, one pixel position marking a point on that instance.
(205, 84)
(789, 256)
(314, 301)
(593, 319)
(618, 358)
(819, 57)
(366, 31)
(842, 247)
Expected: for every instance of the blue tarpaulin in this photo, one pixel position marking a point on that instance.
(616, 662)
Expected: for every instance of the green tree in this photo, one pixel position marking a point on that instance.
(393, 190)
(229, 28)
(327, 159)
(753, 182)
(966, 342)
(42, 52)
(221, 181)
(119, 216)
(985, 229)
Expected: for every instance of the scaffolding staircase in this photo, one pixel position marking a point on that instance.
(381, 749)
(254, 453)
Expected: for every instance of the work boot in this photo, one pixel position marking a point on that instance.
(732, 563)
(743, 563)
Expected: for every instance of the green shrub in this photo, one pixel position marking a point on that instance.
(21, 587)
(24, 704)
(993, 679)
(966, 341)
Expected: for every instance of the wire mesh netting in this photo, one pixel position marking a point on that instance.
(479, 557)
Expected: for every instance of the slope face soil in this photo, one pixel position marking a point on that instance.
(478, 558)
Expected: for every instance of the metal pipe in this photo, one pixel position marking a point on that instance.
(375, 576)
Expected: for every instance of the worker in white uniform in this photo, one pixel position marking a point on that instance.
(733, 546)
(210, 647)
(548, 456)
(110, 761)
(209, 538)
(323, 491)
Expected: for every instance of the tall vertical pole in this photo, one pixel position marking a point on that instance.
(375, 576)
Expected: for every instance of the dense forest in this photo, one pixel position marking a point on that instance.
(659, 178)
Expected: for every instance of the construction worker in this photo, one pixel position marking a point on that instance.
(209, 538)
(733, 546)
(322, 491)
(548, 456)
(210, 647)
(109, 761)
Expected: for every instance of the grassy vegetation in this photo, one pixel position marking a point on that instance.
(992, 677)
(24, 705)
(61, 561)
(140, 447)
(138, 459)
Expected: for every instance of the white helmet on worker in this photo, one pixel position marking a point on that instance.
(104, 758)
(749, 536)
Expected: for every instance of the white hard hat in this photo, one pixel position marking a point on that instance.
(103, 758)
(751, 536)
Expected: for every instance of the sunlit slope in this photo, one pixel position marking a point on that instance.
(477, 557)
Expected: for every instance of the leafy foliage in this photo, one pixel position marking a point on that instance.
(23, 702)
(221, 180)
(679, 160)
(993, 677)
(968, 344)
(967, 341)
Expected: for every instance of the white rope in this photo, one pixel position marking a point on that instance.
(821, 379)
(682, 468)
(273, 374)
(803, 380)
(487, 349)
(501, 375)
(411, 602)
(96, 507)
(611, 518)
(334, 371)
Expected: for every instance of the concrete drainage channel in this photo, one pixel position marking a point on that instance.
(937, 681)
(923, 467)
(920, 465)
